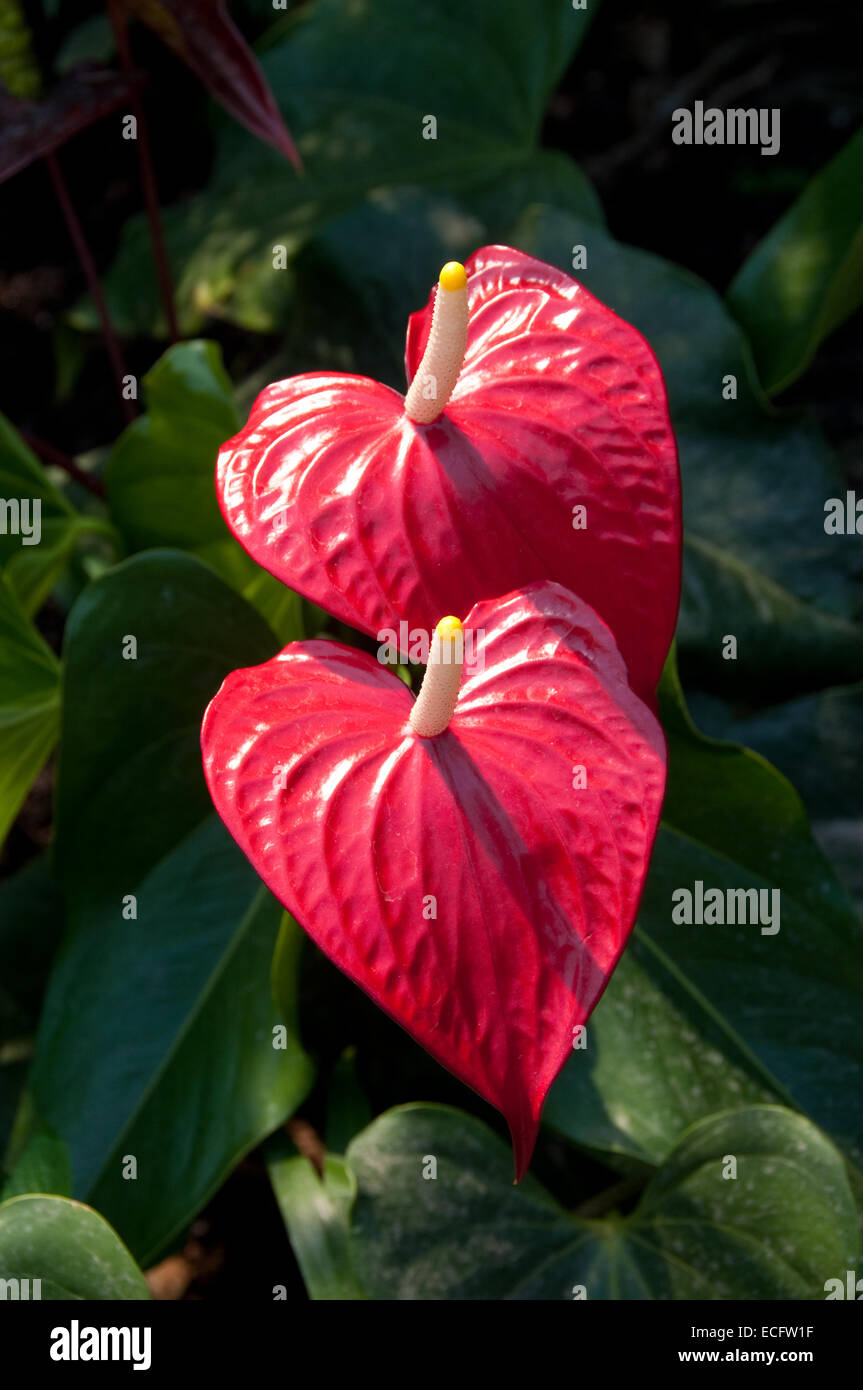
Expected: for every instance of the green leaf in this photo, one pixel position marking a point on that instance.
(69, 1247)
(284, 969)
(806, 276)
(92, 41)
(345, 77)
(43, 1165)
(161, 477)
(29, 705)
(700, 1016)
(348, 1109)
(778, 1229)
(156, 1041)
(31, 918)
(316, 1212)
(653, 1064)
(782, 642)
(14, 1065)
(221, 1088)
(161, 472)
(815, 741)
(130, 780)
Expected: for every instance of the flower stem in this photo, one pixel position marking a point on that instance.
(148, 177)
(307, 1141)
(91, 274)
(49, 454)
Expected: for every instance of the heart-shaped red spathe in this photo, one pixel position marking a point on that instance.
(469, 882)
(560, 405)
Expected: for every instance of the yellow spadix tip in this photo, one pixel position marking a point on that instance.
(449, 627)
(453, 276)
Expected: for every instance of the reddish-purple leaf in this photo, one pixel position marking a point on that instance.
(480, 884)
(203, 35)
(31, 129)
(560, 405)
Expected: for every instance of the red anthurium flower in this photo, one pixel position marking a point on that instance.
(533, 443)
(472, 859)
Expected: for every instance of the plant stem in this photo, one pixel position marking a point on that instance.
(307, 1141)
(91, 274)
(49, 454)
(148, 177)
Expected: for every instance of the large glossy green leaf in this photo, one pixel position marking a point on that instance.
(31, 915)
(783, 643)
(653, 1063)
(131, 785)
(700, 1016)
(778, 1229)
(29, 705)
(224, 1085)
(69, 1247)
(806, 276)
(31, 920)
(346, 79)
(817, 742)
(156, 1042)
(161, 477)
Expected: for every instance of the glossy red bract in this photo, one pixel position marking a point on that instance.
(470, 883)
(560, 405)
